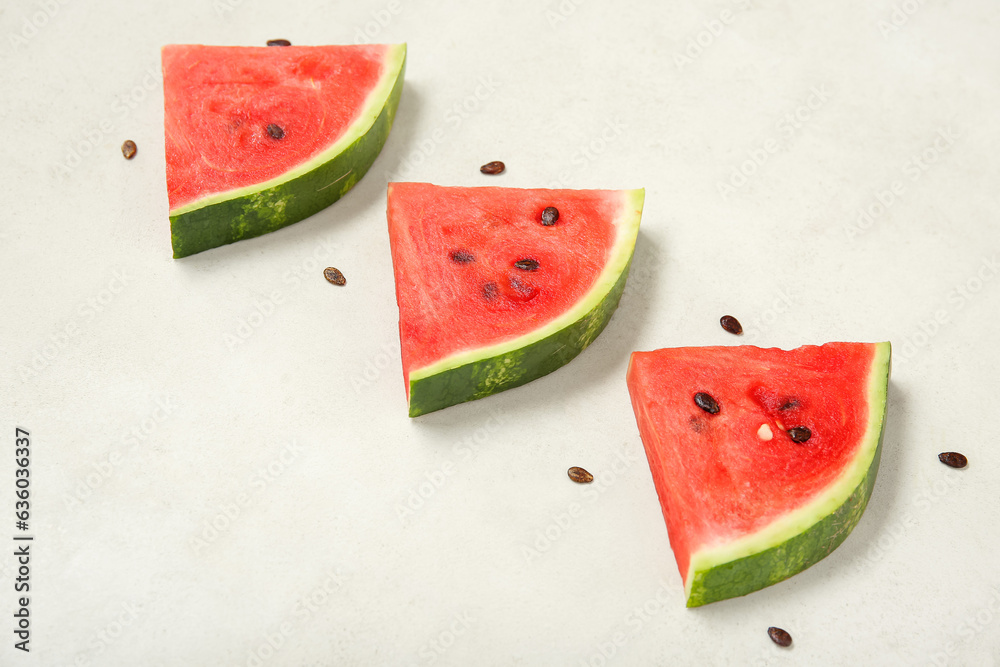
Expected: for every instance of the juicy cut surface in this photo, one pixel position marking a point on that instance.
(476, 266)
(240, 116)
(717, 475)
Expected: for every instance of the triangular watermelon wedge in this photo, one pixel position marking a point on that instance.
(494, 292)
(772, 473)
(260, 137)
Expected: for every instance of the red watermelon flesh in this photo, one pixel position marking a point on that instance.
(498, 227)
(490, 297)
(719, 481)
(220, 100)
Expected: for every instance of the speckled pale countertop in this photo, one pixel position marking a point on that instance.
(213, 486)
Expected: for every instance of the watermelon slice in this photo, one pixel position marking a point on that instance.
(778, 476)
(260, 137)
(492, 294)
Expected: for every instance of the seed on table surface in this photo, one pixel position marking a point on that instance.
(462, 256)
(731, 324)
(550, 215)
(334, 276)
(128, 149)
(706, 403)
(495, 167)
(579, 475)
(799, 434)
(779, 636)
(953, 459)
(275, 131)
(278, 42)
(526, 264)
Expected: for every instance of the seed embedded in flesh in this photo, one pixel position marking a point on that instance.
(953, 459)
(799, 434)
(579, 475)
(525, 291)
(706, 403)
(490, 291)
(550, 215)
(462, 256)
(731, 324)
(334, 276)
(793, 403)
(526, 264)
(278, 42)
(779, 636)
(764, 432)
(128, 149)
(495, 167)
(275, 131)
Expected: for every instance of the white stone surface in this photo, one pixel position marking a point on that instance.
(296, 442)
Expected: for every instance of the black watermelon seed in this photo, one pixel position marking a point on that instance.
(495, 167)
(526, 264)
(953, 459)
(579, 475)
(334, 276)
(789, 404)
(278, 42)
(490, 291)
(779, 636)
(550, 215)
(129, 149)
(275, 131)
(799, 434)
(706, 403)
(462, 256)
(731, 324)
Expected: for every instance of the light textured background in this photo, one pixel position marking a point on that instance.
(202, 501)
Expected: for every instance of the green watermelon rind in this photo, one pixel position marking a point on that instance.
(254, 210)
(474, 374)
(807, 535)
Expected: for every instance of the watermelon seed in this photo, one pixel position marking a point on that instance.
(953, 459)
(490, 291)
(779, 636)
(550, 215)
(526, 290)
(129, 149)
(334, 276)
(731, 324)
(526, 264)
(278, 42)
(579, 475)
(495, 167)
(799, 434)
(462, 256)
(790, 404)
(706, 403)
(764, 432)
(275, 131)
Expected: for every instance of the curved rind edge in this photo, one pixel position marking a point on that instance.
(714, 576)
(265, 208)
(529, 357)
